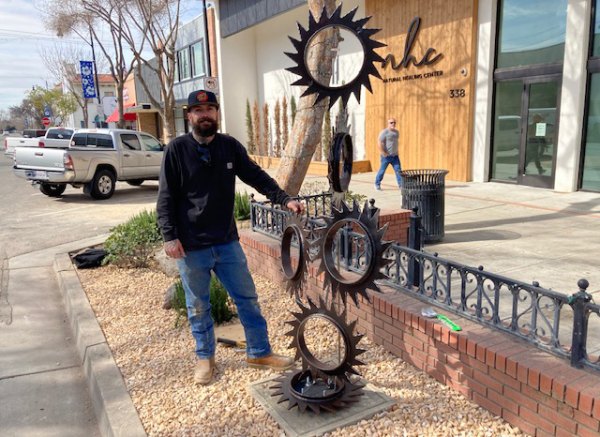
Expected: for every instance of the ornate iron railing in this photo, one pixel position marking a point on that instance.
(562, 324)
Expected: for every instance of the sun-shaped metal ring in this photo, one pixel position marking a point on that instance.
(320, 385)
(354, 283)
(309, 361)
(340, 162)
(368, 45)
(296, 276)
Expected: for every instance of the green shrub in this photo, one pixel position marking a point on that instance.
(241, 206)
(318, 187)
(219, 302)
(178, 303)
(132, 243)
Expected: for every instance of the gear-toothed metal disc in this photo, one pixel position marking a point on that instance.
(368, 66)
(296, 277)
(357, 284)
(339, 392)
(320, 386)
(309, 361)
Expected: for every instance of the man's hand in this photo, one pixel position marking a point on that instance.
(174, 249)
(295, 206)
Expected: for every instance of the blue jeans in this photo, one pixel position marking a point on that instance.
(385, 161)
(229, 264)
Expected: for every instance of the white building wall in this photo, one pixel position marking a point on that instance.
(109, 103)
(484, 88)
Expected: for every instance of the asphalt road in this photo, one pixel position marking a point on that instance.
(32, 221)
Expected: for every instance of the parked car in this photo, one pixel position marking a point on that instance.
(95, 160)
(54, 137)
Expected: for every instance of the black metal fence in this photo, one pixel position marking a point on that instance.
(565, 325)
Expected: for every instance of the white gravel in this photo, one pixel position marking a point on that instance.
(156, 358)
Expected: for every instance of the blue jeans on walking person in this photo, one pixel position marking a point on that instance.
(394, 160)
(229, 264)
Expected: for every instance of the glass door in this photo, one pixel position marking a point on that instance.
(525, 131)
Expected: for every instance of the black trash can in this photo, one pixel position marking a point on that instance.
(424, 189)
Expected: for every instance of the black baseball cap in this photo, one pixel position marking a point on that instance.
(202, 97)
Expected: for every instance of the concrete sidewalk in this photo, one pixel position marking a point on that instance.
(45, 382)
(524, 233)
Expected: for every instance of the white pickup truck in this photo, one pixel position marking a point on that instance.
(58, 137)
(95, 160)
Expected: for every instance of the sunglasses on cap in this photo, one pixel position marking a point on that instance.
(204, 156)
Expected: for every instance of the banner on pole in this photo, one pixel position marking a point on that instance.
(87, 79)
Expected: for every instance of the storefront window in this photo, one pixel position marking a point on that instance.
(183, 58)
(591, 162)
(198, 59)
(507, 130)
(531, 32)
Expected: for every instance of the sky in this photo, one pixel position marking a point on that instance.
(23, 36)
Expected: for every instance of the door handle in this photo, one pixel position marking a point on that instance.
(148, 156)
(126, 155)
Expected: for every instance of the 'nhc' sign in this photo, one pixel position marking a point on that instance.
(429, 58)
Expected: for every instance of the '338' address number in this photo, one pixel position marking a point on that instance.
(457, 93)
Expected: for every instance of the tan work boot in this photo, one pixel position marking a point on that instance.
(272, 361)
(204, 370)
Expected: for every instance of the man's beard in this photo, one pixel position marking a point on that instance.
(207, 131)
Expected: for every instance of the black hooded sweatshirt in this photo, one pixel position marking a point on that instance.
(197, 189)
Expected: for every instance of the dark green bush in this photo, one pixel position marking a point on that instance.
(219, 302)
(132, 243)
(241, 206)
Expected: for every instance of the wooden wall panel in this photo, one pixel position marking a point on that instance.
(435, 129)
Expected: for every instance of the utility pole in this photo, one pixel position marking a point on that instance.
(95, 67)
(206, 41)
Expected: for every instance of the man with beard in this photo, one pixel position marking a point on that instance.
(195, 215)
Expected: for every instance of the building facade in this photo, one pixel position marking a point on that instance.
(491, 90)
(97, 112)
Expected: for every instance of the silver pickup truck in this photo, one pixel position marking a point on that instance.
(59, 137)
(95, 160)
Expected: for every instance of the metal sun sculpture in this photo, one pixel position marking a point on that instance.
(296, 276)
(355, 284)
(320, 385)
(368, 46)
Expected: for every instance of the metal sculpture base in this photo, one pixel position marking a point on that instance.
(315, 393)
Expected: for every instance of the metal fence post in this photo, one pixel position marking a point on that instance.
(252, 212)
(415, 242)
(578, 302)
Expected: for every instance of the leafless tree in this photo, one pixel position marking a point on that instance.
(88, 19)
(62, 60)
(158, 22)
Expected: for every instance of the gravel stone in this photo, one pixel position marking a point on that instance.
(155, 353)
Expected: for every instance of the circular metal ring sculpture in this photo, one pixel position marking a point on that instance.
(340, 162)
(296, 277)
(318, 385)
(367, 221)
(368, 46)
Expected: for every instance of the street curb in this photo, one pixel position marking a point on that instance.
(111, 401)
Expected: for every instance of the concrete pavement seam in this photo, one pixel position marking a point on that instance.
(112, 403)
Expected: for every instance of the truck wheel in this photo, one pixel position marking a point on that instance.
(53, 190)
(135, 182)
(103, 185)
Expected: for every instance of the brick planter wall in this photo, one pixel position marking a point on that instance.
(536, 391)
